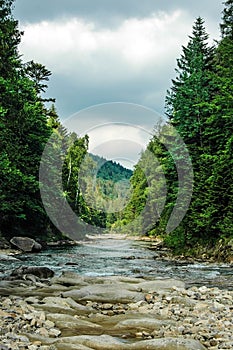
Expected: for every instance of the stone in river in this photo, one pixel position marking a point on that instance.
(26, 244)
(42, 272)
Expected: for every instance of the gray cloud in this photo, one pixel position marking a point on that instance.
(133, 62)
(102, 51)
(73, 95)
(111, 11)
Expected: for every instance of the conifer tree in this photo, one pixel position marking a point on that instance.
(219, 128)
(191, 88)
(23, 134)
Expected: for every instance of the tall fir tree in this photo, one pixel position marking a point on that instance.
(23, 134)
(187, 111)
(219, 128)
(191, 88)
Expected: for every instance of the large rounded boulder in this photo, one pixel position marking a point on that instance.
(26, 244)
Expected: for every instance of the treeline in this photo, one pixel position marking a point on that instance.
(110, 170)
(199, 105)
(26, 126)
(23, 132)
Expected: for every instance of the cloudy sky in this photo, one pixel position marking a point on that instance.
(104, 51)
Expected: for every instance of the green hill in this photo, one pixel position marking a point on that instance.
(110, 170)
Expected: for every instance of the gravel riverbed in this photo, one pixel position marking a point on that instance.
(71, 311)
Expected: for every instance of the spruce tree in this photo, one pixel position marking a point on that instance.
(227, 20)
(187, 111)
(23, 134)
(219, 128)
(191, 88)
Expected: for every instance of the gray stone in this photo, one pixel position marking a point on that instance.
(67, 346)
(70, 325)
(42, 272)
(104, 293)
(103, 342)
(140, 324)
(160, 284)
(62, 305)
(25, 244)
(167, 344)
(68, 279)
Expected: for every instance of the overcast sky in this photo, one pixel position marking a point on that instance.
(102, 51)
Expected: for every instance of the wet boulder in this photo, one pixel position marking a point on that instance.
(42, 272)
(26, 244)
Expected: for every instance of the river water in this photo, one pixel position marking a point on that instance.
(105, 256)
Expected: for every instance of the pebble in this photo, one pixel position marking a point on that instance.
(200, 313)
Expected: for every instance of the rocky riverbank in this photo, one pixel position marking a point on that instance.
(106, 313)
(222, 251)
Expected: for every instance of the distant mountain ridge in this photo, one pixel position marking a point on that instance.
(110, 170)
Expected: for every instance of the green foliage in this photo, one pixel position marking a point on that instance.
(104, 190)
(227, 25)
(38, 74)
(23, 134)
(206, 127)
(199, 106)
(109, 170)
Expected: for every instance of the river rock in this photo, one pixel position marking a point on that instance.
(160, 285)
(104, 293)
(68, 346)
(170, 318)
(62, 305)
(102, 342)
(167, 344)
(68, 279)
(132, 325)
(105, 342)
(69, 325)
(26, 244)
(41, 272)
(13, 287)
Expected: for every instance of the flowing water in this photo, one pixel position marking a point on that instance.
(104, 256)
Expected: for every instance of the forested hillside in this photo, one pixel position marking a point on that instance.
(110, 170)
(199, 106)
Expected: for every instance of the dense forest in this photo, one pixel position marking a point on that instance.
(198, 106)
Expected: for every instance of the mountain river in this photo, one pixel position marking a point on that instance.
(113, 256)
